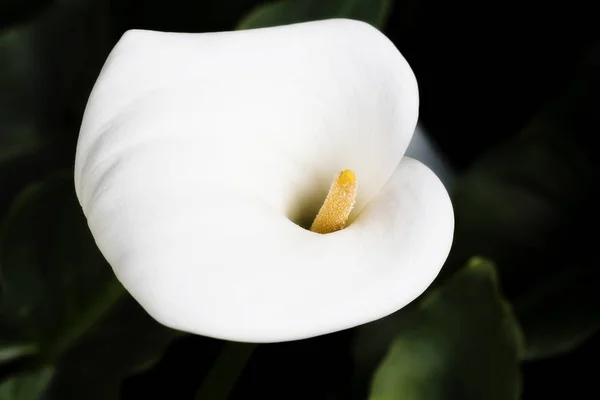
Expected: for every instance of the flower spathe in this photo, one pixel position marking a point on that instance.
(203, 157)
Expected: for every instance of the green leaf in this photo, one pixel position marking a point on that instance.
(21, 164)
(49, 59)
(511, 205)
(519, 205)
(62, 302)
(374, 12)
(526, 204)
(18, 82)
(560, 313)
(48, 64)
(126, 342)
(220, 380)
(55, 282)
(26, 386)
(462, 343)
(13, 351)
(372, 342)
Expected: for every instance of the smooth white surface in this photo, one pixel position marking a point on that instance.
(197, 151)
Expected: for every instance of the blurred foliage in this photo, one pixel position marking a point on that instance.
(47, 66)
(68, 330)
(61, 303)
(55, 282)
(11, 350)
(126, 341)
(374, 12)
(221, 378)
(26, 386)
(463, 342)
(561, 312)
(523, 204)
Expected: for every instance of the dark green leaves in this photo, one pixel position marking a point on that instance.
(55, 282)
(18, 81)
(125, 342)
(561, 312)
(523, 206)
(286, 12)
(49, 59)
(13, 350)
(26, 386)
(61, 303)
(529, 205)
(462, 343)
(48, 62)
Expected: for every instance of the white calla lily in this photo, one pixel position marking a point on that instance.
(200, 155)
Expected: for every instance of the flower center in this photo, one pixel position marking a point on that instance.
(338, 204)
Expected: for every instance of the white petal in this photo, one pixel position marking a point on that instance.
(282, 109)
(196, 150)
(236, 270)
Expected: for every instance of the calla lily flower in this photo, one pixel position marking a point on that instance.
(203, 160)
